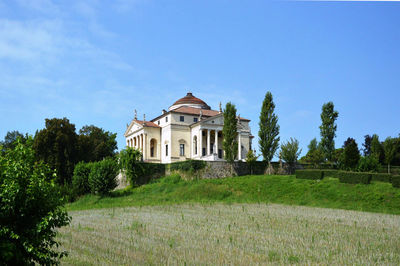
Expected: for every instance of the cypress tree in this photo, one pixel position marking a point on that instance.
(269, 129)
(328, 129)
(229, 132)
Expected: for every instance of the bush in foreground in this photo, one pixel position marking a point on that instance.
(30, 209)
(382, 177)
(103, 176)
(310, 174)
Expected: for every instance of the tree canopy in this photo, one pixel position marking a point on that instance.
(328, 129)
(350, 155)
(269, 129)
(229, 131)
(95, 144)
(290, 152)
(57, 145)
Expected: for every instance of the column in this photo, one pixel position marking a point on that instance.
(216, 142)
(144, 146)
(208, 142)
(200, 148)
(240, 147)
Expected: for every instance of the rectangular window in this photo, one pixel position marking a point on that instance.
(182, 149)
(166, 119)
(182, 118)
(204, 151)
(158, 122)
(166, 150)
(195, 119)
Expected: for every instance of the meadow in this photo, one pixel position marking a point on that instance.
(220, 233)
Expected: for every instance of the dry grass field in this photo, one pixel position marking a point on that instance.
(238, 234)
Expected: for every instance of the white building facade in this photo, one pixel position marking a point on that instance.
(188, 130)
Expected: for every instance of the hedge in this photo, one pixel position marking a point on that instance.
(310, 174)
(354, 177)
(145, 172)
(381, 177)
(188, 165)
(396, 181)
(331, 173)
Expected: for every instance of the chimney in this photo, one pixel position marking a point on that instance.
(189, 94)
(163, 111)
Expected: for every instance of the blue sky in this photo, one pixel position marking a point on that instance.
(95, 62)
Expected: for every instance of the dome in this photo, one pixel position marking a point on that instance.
(191, 101)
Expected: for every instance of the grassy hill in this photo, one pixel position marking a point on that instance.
(327, 193)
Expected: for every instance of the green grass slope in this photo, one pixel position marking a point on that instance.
(327, 193)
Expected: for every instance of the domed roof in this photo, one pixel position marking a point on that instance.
(190, 100)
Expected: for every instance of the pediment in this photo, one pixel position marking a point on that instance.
(133, 127)
(214, 120)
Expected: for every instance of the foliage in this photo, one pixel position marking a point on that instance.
(103, 176)
(10, 140)
(354, 177)
(377, 149)
(229, 131)
(328, 129)
(30, 209)
(80, 179)
(57, 145)
(367, 145)
(290, 152)
(396, 181)
(350, 155)
(368, 164)
(146, 172)
(331, 173)
(251, 159)
(96, 144)
(269, 129)
(188, 165)
(382, 177)
(129, 159)
(310, 174)
(390, 147)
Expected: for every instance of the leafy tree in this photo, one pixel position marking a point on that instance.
(367, 145)
(10, 140)
(229, 132)
(350, 155)
(95, 144)
(269, 129)
(290, 152)
(377, 149)
(80, 179)
(129, 159)
(30, 209)
(251, 159)
(390, 147)
(57, 145)
(368, 164)
(103, 176)
(328, 129)
(314, 154)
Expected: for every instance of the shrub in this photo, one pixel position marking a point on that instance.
(80, 179)
(381, 177)
(354, 177)
(368, 164)
(129, 160)
(103, 176)
(30, 209)
(396, 181)
(331, 173)
(188, 165)
(171, 179)
(309, 174)
(145, 172)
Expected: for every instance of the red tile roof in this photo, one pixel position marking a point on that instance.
(194, 111)
(190, 99)
(146, 123)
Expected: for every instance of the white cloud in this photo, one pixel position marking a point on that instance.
(43, 6)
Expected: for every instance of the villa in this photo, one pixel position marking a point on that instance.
(188, 130)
